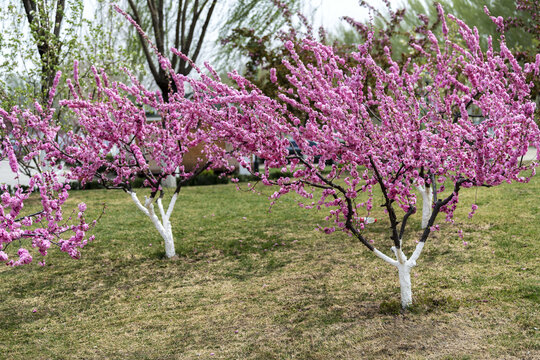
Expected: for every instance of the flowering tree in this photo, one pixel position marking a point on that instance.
(265, 53)
(48, 225)
(117, 143)
(411, 128)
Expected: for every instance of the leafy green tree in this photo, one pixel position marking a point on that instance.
(41, 37)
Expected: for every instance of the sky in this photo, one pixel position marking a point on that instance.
(329, 11)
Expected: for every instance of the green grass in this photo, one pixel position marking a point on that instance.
(271, 287)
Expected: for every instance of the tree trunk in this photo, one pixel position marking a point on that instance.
(163, 226)
(404, 267)
(404, 271)
(427, 203)
(169, 181)
(169, 239)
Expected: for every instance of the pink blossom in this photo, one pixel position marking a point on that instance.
(273, 76)
(474, 207)
(31, 131)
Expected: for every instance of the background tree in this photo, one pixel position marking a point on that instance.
(41, 37)
(186, 24)
(45, 31)
(262, 50)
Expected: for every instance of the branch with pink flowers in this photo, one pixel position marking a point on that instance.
(48, 226)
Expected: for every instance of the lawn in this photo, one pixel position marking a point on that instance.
(254, 284)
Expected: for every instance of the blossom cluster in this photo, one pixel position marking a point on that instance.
(46, 225)
(459, 115)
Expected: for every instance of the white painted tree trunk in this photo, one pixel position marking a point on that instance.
(404, 272)
(404, 267)
(427, 203)
(169, 181)
(163, 226)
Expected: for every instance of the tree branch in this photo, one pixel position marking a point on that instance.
(388, 204)
(144, 44)
(411, 211)
(203, 31)
(157, 25)
(350, 209)
(177, 33)
(58, 18)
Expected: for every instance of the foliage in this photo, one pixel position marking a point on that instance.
(43, 37)
(207, 177)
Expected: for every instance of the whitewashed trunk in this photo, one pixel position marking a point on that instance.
(427, 204)
(169, 181)
(169, 240)
(163, 226)
(404, 272)
(404, 267)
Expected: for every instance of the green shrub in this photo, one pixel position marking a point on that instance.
(207, 177)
